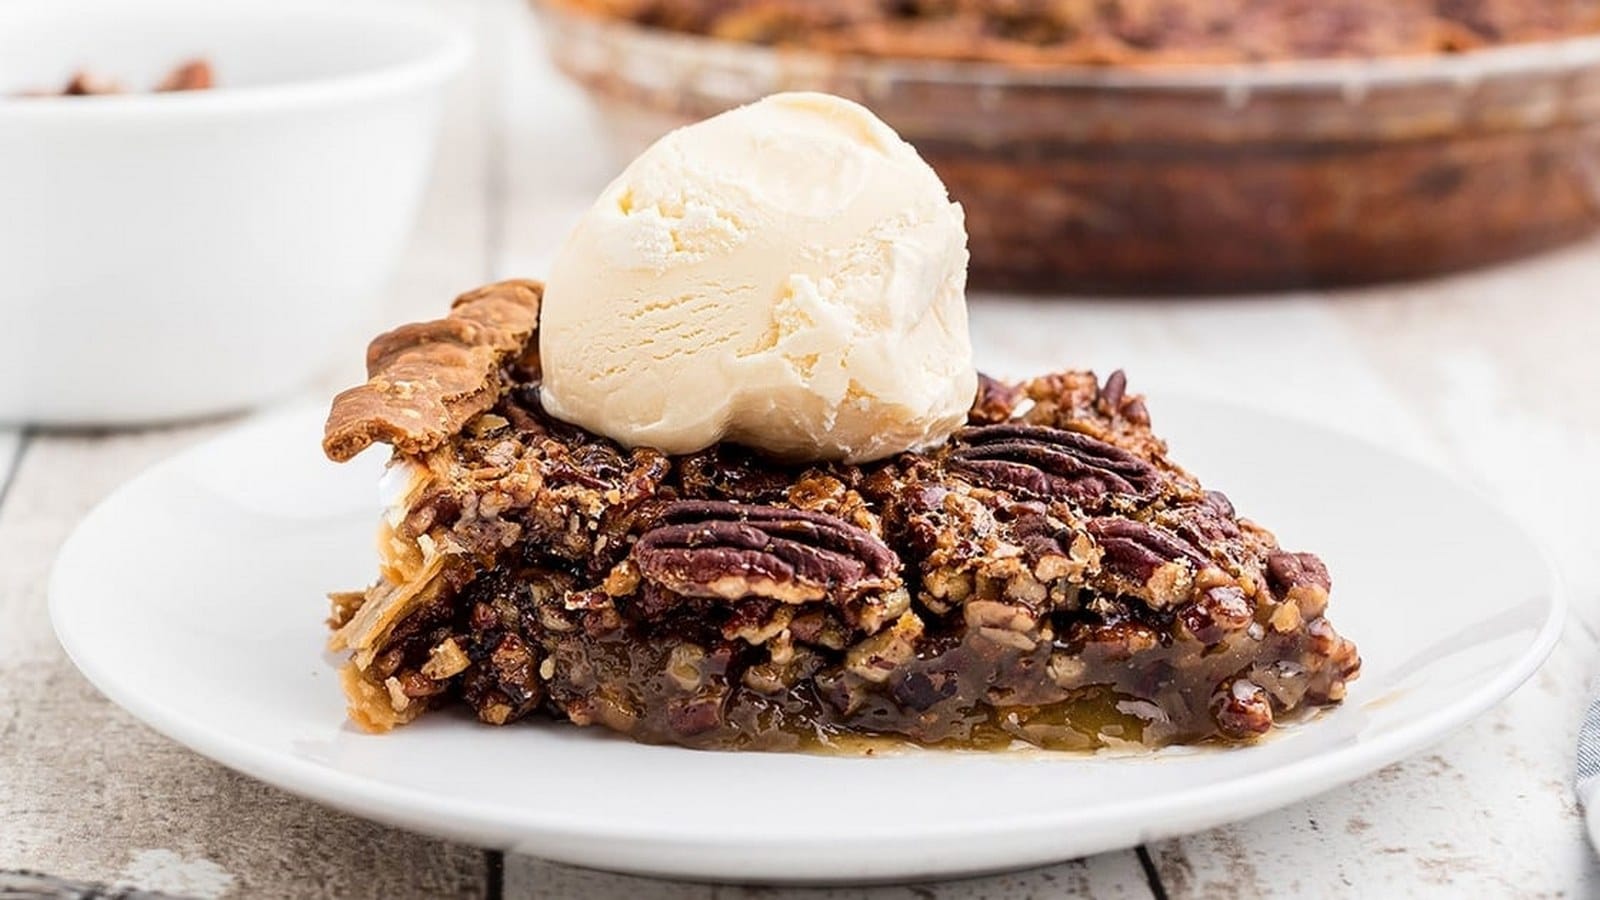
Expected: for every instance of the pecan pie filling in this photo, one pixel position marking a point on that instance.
(1047, 575)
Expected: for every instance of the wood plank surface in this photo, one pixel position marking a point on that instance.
(87, 792)
(1110, 876)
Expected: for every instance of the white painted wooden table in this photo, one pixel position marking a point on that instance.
(1493, 376)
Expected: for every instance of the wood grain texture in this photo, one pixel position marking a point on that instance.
(1110, 876)
(1488, 812)
(87, 792)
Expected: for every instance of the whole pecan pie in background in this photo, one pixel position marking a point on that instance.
(1161, 146)
(1048, 575)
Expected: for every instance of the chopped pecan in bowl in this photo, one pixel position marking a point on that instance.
(191, 75)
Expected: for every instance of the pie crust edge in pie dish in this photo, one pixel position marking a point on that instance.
(1047, 576)
(1135, 149)
(1152, 34)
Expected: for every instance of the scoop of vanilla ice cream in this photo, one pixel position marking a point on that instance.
(789, 276)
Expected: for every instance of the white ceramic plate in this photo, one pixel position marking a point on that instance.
(193, 597)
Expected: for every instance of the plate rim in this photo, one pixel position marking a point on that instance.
(1155, 816)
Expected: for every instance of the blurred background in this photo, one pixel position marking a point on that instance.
(1128, 163)
(1162, 145)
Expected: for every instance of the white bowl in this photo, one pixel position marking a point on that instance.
(173, 255)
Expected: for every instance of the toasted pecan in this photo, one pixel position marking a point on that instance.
(427, 379)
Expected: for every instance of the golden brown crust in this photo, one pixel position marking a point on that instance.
(425, 380)
(1115, 32)
(372, 707)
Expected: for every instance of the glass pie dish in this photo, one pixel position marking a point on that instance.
(1197, 178)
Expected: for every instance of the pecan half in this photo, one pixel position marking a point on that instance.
(1051, 549)
(996, 402)
(1209, 523)
(1135, 550)
(1300, 578)
(92, 84)
(1111, 394)
(193, 75)
(1113, 400)
(1217, 613)
(1051, 464)
(714, 549)
(1242, 709)
(1152, 562)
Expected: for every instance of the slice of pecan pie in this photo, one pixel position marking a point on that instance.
(1048, 575)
